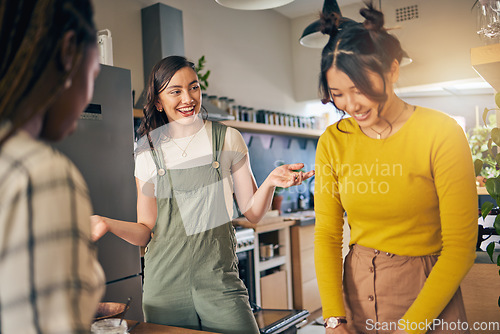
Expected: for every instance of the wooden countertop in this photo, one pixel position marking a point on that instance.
(269, 223)
(147, 328)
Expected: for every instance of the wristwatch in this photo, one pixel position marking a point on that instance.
(334, 322)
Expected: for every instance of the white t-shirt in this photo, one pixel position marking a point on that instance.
(198, 148)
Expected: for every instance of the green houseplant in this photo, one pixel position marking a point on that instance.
(492, 183)
(202, 77)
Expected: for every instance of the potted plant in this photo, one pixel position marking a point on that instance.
(277, 199)
(202, 77)
(492, 183)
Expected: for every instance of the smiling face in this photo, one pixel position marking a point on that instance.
(347, 97)
(181, 98)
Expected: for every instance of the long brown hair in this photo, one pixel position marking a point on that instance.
(160, 76)
(30, 35)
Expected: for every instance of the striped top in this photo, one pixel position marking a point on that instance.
(51, 281)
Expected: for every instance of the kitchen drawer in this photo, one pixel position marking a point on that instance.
(308, 272)
(310, 295)
(273, 291)
(303, 236)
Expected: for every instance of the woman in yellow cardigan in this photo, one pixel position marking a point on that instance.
(403, 174)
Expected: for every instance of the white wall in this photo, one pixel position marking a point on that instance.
(249, 53)
(439, 43)
(123, 19)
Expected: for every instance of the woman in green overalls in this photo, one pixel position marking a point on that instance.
(185, 171)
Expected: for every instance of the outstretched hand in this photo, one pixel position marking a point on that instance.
(98, 227)
(286, 176)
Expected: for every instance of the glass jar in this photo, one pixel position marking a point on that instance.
(109, 326)
(213, 99)
(286, 120)
(270, 117)
(251, 115)
(282, 118)
(230, 104)
(222, 103)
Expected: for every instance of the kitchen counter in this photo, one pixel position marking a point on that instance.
(270, 222)
(147, 328)
(301, 218)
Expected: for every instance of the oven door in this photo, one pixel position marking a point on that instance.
(246, 270)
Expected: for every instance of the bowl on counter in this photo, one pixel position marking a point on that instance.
(107, 310)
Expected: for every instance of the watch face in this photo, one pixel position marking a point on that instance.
(332, 322)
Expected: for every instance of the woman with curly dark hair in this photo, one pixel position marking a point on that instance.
(403, 174)
(51, 281)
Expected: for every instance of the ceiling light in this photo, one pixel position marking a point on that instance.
(406, 60)
(312, 37)
(253, 4)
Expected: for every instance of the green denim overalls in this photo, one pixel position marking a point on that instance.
(191, 274)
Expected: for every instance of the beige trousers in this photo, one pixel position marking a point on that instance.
(379, 287)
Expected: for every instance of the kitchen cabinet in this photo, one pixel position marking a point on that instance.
(305, 284)
(486, 61)
(273, 277)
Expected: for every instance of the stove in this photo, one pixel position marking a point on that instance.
(245, 239)
(269, 321)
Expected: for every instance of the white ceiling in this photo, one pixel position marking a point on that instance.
(298, 8)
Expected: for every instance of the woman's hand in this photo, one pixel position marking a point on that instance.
(286, 176)
(98, 227)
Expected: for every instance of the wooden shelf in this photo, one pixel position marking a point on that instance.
(486, 61)
(274, 129)
(263, 128)
(138, 113)
(272, 263)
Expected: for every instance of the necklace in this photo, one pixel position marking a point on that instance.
(184, 154)
(379, 134)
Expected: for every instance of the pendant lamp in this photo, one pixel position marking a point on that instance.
(312, 37)
(253, 4)
(406, 60)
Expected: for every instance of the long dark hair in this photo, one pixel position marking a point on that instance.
(357, 49)
(30, 33)
(160, 76)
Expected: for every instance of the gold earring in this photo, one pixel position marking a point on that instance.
(67, 83)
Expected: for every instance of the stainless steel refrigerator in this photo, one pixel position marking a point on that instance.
(102, 149)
